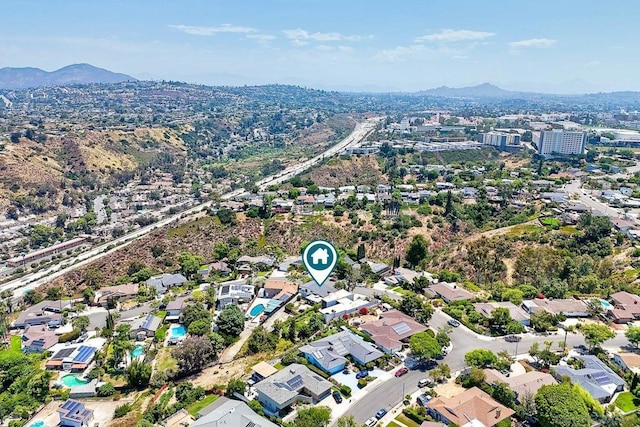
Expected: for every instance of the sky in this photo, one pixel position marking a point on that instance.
(559, 46)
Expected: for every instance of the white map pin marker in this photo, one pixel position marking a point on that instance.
(320, 258)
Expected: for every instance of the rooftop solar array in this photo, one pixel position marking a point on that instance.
(339, 348)
(147, 322)
(72, 406)
(295, 382)
(401, 328)
(65, 352)
(84, 353)
(601, 378)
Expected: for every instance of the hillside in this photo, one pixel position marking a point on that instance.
(21, 78)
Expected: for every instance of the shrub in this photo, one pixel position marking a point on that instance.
(70, 336)
(362, 383)
(105, 390)
(345, 390)
(122, 410)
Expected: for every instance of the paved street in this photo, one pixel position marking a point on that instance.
(391, 392)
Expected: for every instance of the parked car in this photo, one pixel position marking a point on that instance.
(423, 399)
(400, 372)
(381, 413)
(346, 371)
(505, 372)
(371, 422)
(362, 374)
(513, 338)
(336, 396)
(424, 382)
(454, 323)
(399, 355)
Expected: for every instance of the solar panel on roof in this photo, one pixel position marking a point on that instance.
(84, 354)
(65, 352)
(401, 328)
(147, 322)
(601, 378)
(295, 382)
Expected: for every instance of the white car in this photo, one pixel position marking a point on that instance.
(371, 422)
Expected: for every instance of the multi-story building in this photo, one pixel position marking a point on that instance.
(559, 143)
(500, 139)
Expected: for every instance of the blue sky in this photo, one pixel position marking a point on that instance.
(561, 46)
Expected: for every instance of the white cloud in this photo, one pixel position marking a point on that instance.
(300, 35)
(212, 31)
(261, 37)
(400, 52)
(449, 36)
(536, 43)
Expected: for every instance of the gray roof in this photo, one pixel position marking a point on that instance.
(286, 384)
(227, 412)
(331, 351)
(596, 377)
(322, 291)
(150, 322)
(161, 283)
(176, 304)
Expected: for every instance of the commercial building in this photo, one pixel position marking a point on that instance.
(500, 140)
(558, 143)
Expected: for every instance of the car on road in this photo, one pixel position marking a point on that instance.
(513, 338)
(346, 371)
(453, 322)
(400, 372)
(505, 372)
(362, 374)
(381, 413)
(371, 422)
(424, 382)
(336, 396)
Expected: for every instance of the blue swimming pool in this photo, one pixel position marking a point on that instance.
(605, 304)
(178, 331)
(256, 310)
(138, 351)
(37, 424)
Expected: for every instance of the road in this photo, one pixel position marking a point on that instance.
(391, 392)
(34, 280)
(575, 187)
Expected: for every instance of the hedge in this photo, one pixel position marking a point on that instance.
(70, 336)
(345, 390)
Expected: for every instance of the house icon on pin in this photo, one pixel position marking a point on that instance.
(320, 256)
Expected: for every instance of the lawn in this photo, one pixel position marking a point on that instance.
(627, 402)
(196, 407)
(392, 424)
(550, 222)
(164, 361)
(16, 344)
(407, 421)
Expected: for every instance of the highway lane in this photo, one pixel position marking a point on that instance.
(391, 392)
(33, 280)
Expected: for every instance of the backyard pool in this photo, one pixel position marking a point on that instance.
(138, 351)
(37, 424)
(177, 332)
(71, 380)
(257, 309)
(605, 304)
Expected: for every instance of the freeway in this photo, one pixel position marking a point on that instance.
(31, 281)
(391, 392)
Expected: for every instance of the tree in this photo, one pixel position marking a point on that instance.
(200, 327)
(261, 340)
(480, 358)
(217, 342)
(440, 372)
(189, 263)
(93, 277)
(424, 346)
(475, 378)
(105, 390)
(545, 356)
(256, 407)
(633, 335)
(195, 312)
(81, 322)
(193, 354)
(347, 421)
(226, 216)
(220, 250)
(503, 394)
(235, 385)
(443, 339)
(595, 334)
(417, 251)
(412, 305)
(558, 406)
(138, 373)
(317, 416)
(231, 321)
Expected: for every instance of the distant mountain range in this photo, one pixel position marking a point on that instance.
(21, 78)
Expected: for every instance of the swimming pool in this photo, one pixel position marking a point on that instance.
(257, 309)
(138, 351)
(37, 424)
(71, 380)
(605, 304)
(177, 332)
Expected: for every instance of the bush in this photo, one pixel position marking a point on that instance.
(105, 390)
(70, 336)
(345, 390)
(122, 410)
(362, 383)
(414, 414)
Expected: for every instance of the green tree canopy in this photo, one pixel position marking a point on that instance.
(189, 263)
(200, 327)
(480, 358)
(424, 346)
(558, 406)
(194, 312)
(595, 333)
(231, 321)
(418, 250)
(318, 416)
(633, 335)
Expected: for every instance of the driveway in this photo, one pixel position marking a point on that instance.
(136, 311)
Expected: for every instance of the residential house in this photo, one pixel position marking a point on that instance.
(315, 293)
(174, 309)
(260, 372)
(280, 289)
(342, 302)
(379, 268)
(463, 409)
(225, 412)
(567, 307)
(262, 262)
(43, 313)
(288, 262)
(630, 362)
(234, 293)
(37, 339)
(295, 383)
(74, 414)
(517, 313)
(405, 275)
(392, 330)
(523, 385)
(182, 418)
(74, 357)
(329, 354)
(165, 281)
(144, 327)
(116, 293)
(449, 292)
(626, 307)
(596, 377)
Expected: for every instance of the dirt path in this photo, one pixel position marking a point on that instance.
(498, 231)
